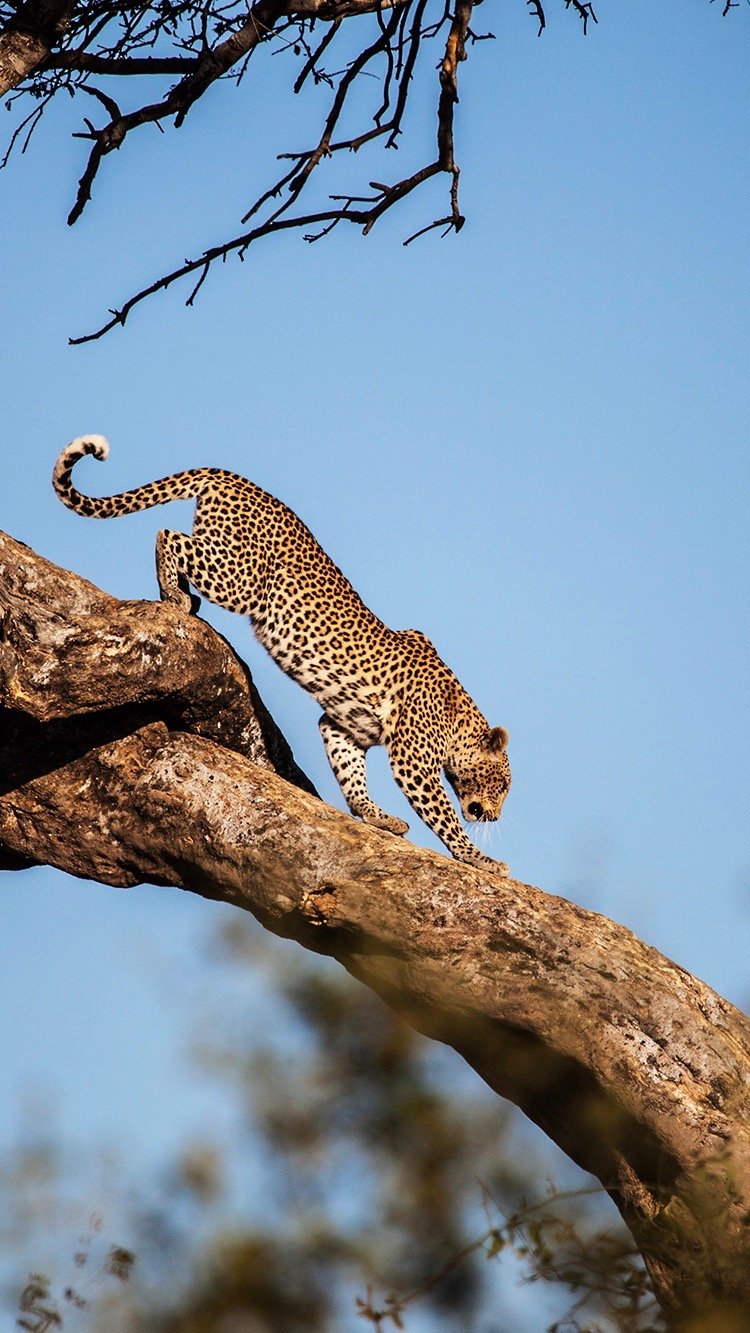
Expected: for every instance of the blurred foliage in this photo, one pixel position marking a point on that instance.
(372, 1185)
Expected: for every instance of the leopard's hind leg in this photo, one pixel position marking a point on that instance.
(174, 570)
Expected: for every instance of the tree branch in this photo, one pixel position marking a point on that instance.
(208, 67)
(29, 36)
(129, 754)
(120, 66)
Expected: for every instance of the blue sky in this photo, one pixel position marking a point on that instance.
(529, 441)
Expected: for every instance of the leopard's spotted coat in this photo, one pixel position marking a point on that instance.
(377, 686)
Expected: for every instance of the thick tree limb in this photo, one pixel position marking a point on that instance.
(29, 37)
(129, 753)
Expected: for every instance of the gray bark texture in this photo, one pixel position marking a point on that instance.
(30, 37)
(134, 748)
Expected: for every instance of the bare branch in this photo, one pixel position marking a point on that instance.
(119, 66)
(211, 65)
(299, 180)
(585, 12)
(538, 13)
(239, 244)
(32, 121)
(310, 66)
(448, 224)
(406, 71)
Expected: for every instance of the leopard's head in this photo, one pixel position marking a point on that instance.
(480, 776)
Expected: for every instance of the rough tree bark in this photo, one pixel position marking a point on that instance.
(30, 37)
(134, 748)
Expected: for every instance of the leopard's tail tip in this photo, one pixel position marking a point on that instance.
(98, 445)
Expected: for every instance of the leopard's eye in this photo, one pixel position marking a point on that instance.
(475, 810)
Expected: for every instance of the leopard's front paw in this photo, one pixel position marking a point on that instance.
(377, 818)
(474, 857)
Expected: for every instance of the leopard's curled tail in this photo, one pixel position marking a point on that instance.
(180, 486)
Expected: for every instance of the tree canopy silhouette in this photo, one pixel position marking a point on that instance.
(109, 56)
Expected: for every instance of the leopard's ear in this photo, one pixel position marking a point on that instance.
(496, 740)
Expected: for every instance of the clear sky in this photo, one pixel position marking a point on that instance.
(529, 441)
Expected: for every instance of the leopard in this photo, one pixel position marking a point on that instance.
(250, 553)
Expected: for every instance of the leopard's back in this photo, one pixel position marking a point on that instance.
(250, 553)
